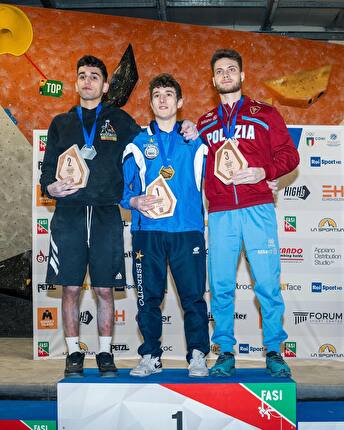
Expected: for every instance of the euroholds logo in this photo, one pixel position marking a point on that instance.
(319, 287)
(245, 348)
(318, 162)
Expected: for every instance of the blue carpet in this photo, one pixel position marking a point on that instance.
(179, 376)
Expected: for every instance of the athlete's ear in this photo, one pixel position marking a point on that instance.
(180, 103)
(213, 79)
(242, 76)
(105, 87)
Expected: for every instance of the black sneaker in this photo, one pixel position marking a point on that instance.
(74, 365)
(106, 364)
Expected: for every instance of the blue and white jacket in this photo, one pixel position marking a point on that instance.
(142, 163)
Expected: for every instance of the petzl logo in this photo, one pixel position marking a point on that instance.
(43, 349)
(42, 143)
(120, 347)
(45, 287)
(315, 161)
(290, 223)
(42, 226)
(244, 348)
(290, 349)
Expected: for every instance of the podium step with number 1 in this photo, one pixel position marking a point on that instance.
(172, 401)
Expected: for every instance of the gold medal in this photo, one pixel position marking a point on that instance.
(166, 172)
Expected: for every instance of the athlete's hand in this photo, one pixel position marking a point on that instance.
(144, 203)
(250, 175)
(62, 188)
(273, 185)
(189, 130)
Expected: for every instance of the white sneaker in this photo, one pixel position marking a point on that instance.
(198, 364)
(147, 366)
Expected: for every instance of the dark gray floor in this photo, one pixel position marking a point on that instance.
(23, 378)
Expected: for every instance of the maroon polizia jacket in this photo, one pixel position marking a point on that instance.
(264, 141)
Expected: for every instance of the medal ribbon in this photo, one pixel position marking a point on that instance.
(229, 133)
(169, 155)
(89, 138)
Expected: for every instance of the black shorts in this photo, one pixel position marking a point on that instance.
(84, 236)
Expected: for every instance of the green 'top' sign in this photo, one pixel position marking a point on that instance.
(50, 88)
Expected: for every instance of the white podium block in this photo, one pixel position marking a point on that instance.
(173, 401)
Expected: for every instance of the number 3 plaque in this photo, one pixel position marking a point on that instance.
(165, 208)
(70, 164)
(228, 159)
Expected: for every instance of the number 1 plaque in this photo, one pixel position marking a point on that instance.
(165, 208)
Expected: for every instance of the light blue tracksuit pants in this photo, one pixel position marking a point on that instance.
(256, 227)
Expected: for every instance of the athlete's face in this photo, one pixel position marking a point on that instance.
(90, 84)
(227, 76)
(164, 103)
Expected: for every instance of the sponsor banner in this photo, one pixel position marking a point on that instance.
(311, 231)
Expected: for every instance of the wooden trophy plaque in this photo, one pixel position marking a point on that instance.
(70, 164)
(166, 207)
(228, 159)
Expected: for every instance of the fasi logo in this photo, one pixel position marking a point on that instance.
(290, 223)
(42, 226)
(290, 349)
(43, 349)
(42, 142)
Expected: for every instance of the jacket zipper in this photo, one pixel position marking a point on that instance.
(235, 195)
